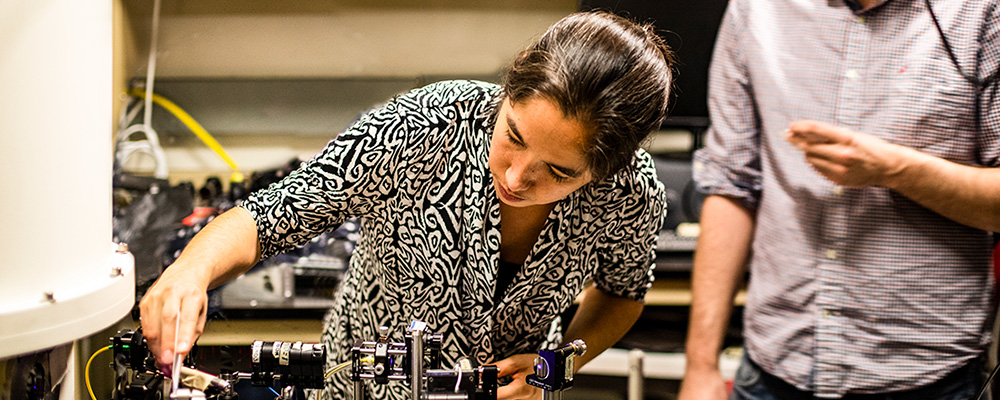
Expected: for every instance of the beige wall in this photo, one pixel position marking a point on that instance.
(315, 39)
(322, 38)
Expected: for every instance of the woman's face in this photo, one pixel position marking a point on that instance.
(537, 154)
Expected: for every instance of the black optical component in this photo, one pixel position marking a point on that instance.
(293, 364)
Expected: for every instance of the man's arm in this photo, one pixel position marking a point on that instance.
(719, 265)
(965, 194)
(224, 249)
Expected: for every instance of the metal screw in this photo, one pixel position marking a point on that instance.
(122, 248)
(579, 347)
(50, 297)
(116, 271)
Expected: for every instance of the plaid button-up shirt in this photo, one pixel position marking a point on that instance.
(854, 290)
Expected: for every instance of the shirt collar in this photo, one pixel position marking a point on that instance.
(856, 8)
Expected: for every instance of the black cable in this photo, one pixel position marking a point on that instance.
(947, 47)
(978, 85)
(986, 385)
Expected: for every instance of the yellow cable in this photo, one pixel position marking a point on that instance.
(195, 127)
(337, 368)
(86, 372)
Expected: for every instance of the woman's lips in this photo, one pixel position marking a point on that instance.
(506, 194)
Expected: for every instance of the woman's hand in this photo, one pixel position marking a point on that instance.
(178, 294)
(517, 367)
(221, 251)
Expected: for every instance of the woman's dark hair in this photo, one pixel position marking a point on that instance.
(605, 71)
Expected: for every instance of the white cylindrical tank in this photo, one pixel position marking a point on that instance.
(61, 278)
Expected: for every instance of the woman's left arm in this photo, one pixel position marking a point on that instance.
(601, 320)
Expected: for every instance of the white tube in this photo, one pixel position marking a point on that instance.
(62, 277)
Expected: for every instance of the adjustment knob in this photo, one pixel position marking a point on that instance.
(541, 368)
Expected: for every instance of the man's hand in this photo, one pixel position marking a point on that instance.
(703, 385)
(846, 157)
(174, 295)
(517, 367)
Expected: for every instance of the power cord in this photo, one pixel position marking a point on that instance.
(86, 371)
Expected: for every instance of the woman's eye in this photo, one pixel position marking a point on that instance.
(557, 176)
(513, 139)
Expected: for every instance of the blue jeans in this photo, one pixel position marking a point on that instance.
(752, 383)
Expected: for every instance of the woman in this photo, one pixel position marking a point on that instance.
(485, 210)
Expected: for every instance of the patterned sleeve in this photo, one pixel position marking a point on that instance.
(989, 103)
(628, 254)
(350, 177)
(729, 164)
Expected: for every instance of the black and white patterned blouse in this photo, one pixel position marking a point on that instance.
(415, 173)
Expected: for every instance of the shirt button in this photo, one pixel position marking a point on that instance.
(838, 190)
(852, 74)
(825, 313)
(831, 254)
(860, 19)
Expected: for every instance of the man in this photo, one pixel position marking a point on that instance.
(868, 253)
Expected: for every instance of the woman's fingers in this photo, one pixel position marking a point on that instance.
(173, 313)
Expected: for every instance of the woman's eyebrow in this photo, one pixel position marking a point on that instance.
(513, 129)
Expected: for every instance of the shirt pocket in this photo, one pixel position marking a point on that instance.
(931, 108)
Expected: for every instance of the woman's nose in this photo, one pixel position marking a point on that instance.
(520, 176)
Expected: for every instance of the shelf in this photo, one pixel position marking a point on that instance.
(244, 332)
(677, 292)
(665, 292)
(614, 362)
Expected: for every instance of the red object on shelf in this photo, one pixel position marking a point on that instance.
(200, 214)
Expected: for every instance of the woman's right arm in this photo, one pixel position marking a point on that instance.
(335, 184)
(224, 249)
